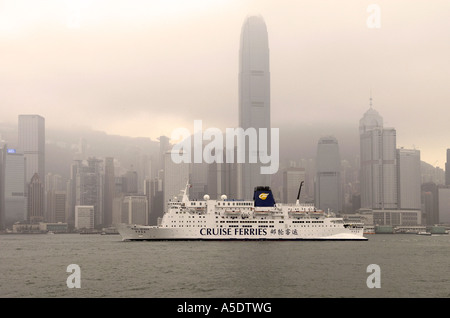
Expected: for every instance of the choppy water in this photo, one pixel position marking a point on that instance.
(35, 266)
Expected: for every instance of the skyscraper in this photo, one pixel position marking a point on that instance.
(447, 169)
(254, 94)
(15, 200)
(109, 190)
(378, 163)
(328, 188)
(32, 144)
(89, 187)
(35, 200)
(135, 207)
(292, 177)
(130, 182)
(56, 206)
(409, 179)
(84, 217)
(176, 176)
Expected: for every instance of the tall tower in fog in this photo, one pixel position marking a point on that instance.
(378, 163)
(447, 169)
(32, 144)
(254, 94)
(328, 192)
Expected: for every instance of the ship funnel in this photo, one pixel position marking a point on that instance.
(263, 197)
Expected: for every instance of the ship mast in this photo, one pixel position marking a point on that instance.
(185, 193)
(298, 195)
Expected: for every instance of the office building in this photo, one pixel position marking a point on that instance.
(397, 217)
(377, 163)
(328, 187)
(130, 182)
(89, 187)
(56, 206)
(15, 201)
(109, 190)
(35, 202)
(292, 178)
(254, 96)
(409, 179)
(155, 196)
(32, 144)
(430, 211)
(176, 177)
(84, 217)
(444, 205)
(135, 207)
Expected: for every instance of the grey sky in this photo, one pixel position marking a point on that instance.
(144, 68)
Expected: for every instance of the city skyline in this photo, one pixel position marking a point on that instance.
(325, 60)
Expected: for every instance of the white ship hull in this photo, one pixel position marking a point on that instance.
(211, 220)
(323, 231)
(149, 233)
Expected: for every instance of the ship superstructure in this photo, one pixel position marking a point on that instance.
(257, 219)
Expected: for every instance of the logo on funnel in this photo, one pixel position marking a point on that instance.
(263, 196)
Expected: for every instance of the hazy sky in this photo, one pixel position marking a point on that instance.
(144, 68)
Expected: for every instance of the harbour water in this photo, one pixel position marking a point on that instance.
(35, 266)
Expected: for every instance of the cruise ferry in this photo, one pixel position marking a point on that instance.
(257, 219)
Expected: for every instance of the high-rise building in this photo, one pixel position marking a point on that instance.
(447, 169)
(164, 146)
(328, 187)
(409, 179)
(377, 163)
(222, 177)
(56, 206)
(176, 177)
(430, 203)
(135, 207)
(55, 183)
(254, 95)
(84, 217)
(32, 144)
(35, 200)
(199, 180)
(14, 195)
(89, 187)
(444, 204)
(71, 195)
(130, 182)
(292, 178)
(109, 191)
(155, 196)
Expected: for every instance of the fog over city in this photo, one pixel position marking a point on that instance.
(145, 68)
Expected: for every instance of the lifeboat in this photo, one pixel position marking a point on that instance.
(232, 212)
(296, 213)
(261, 211)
